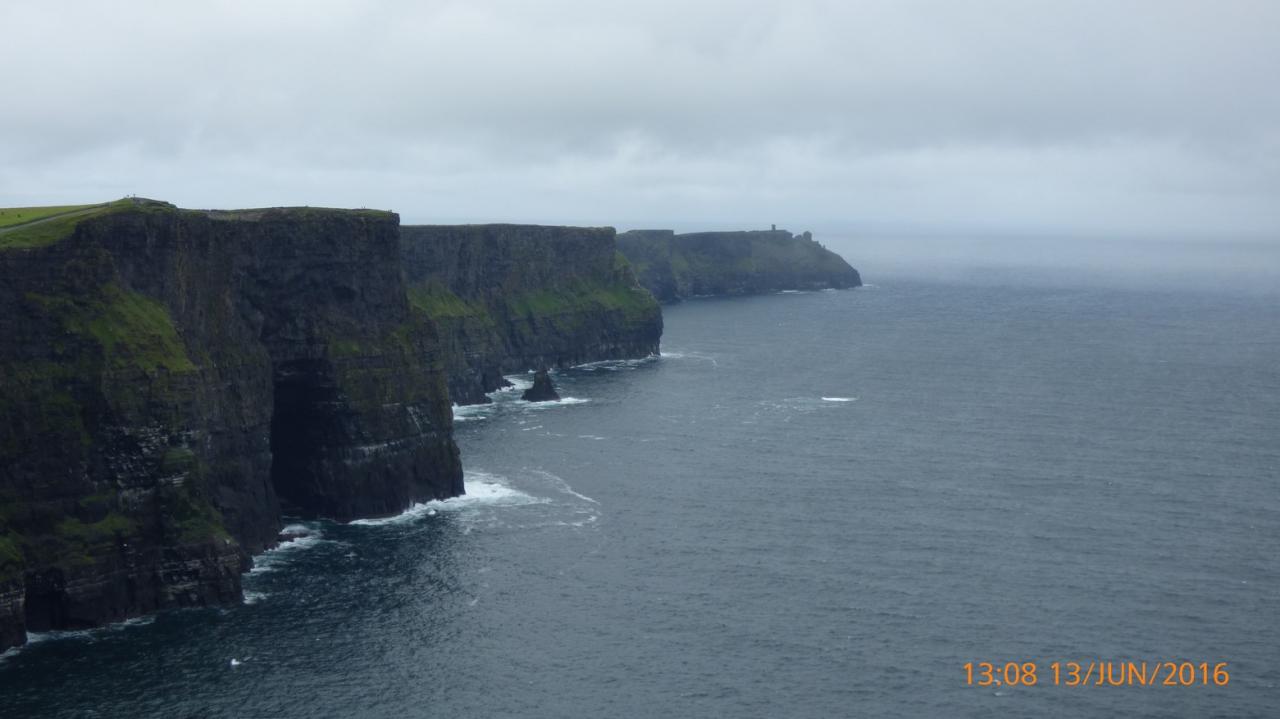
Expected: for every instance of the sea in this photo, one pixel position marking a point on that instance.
(866, 503)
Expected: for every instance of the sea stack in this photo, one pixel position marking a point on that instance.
(542, 389)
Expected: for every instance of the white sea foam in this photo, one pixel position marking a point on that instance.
(471, 412)
(590, 436)
(301, 536)
(518, 384)
(562, 402)
(483, 489)
(254, 597)
(90, 634)
(839, 399)
(38, 637)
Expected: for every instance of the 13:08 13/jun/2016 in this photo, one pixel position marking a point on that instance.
(1098, 673)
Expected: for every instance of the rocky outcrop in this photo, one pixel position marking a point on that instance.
(172, 377)
(509, 298)
(542, 390)
(674, 267)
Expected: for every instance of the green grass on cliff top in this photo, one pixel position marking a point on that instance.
(304, 213)
(26, 227)
(21, 215)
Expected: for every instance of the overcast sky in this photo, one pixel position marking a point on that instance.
(1104, 118)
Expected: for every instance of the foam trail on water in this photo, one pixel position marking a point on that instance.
(699, 356)
(838, 399)
(563, 485)
(617, 364)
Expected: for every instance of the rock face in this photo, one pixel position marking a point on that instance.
(170, 378)
(675, 267)
(509, 298)
(542, 389)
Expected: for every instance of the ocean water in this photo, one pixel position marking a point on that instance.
(812, 505)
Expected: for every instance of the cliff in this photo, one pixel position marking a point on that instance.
(674, 267)
(509, 298)
(170, 378)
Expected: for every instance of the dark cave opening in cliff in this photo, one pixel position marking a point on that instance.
(303, 425)
(45, 605)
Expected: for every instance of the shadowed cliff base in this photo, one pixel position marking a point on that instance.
(675, 267)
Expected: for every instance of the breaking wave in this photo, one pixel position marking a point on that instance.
(483, 489)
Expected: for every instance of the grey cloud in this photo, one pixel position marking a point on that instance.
(1145, 118)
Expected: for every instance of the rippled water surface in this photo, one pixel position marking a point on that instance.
(813, 505)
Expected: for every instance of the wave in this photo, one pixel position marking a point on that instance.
(300, 536)
(58, 634)
(92, 634)
(562, 402)
(839, 399)
(518, 384)
(483, 489)
(471, 412)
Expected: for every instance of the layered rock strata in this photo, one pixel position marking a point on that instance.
(510, 298)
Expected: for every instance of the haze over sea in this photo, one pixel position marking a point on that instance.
(812, 505)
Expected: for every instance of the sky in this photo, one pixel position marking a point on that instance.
(1157, 120)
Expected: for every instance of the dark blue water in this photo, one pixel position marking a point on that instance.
(814, 505)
